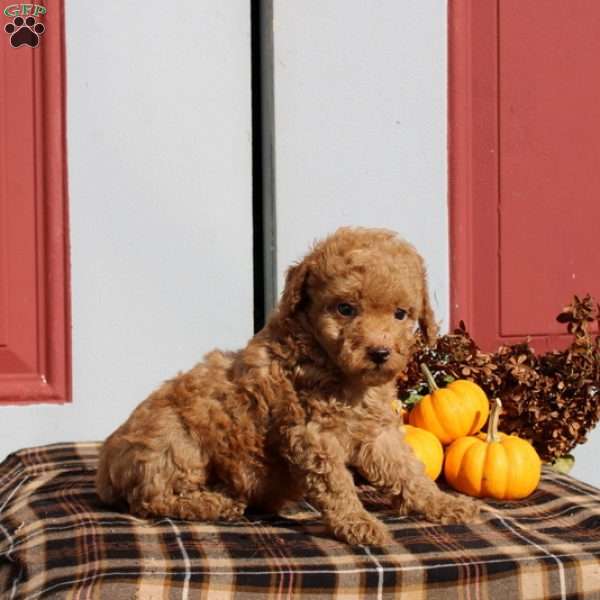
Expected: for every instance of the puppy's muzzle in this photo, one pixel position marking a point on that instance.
(379, 354)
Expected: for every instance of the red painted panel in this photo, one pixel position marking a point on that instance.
(19, 210)
(34, 299)
(473, 176)
(549, 159)
(524, 125)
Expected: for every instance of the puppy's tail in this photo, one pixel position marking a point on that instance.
(104, 485)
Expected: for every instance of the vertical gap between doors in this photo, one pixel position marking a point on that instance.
(263, 161)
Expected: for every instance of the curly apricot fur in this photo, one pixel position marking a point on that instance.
(288, 416)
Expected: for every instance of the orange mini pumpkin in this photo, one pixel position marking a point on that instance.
(461, 408)
(427, 449)
(493, 465)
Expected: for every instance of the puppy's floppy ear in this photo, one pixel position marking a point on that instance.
(427, 322)
(294, 294)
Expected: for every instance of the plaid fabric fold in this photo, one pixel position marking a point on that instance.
(58, 541)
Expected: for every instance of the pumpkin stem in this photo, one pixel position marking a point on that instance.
(492, 428)
(433, 386)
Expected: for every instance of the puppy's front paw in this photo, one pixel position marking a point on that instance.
(460, 509)
(464, 510)
(362, 530)
(442, 507)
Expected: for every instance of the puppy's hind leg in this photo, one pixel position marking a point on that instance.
(172, 487)
(175, 483)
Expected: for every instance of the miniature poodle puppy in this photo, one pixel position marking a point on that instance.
(307, 399)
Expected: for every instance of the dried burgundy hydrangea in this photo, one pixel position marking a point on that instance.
(551, 399)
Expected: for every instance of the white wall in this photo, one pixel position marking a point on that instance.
(360, 125)
(159, 151)
(586, 459)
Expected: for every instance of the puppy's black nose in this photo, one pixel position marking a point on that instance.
(379, 354)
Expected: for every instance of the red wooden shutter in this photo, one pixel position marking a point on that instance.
(524, 165)
(34, 269)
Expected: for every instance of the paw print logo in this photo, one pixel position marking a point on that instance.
(24, 32)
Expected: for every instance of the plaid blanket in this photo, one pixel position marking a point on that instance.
(58, 541)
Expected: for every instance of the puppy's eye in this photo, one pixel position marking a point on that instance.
(400, 314)
(345, 309)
